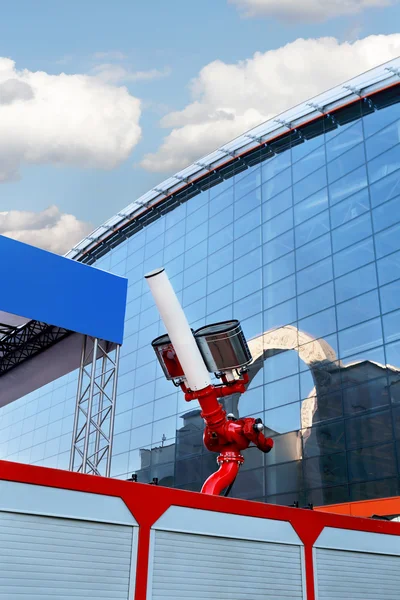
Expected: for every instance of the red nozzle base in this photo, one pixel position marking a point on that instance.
(229, 465)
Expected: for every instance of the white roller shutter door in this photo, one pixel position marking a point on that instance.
(347, 575)
(202, 567)
(45, 558)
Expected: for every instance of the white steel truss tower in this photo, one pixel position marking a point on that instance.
(92, 437)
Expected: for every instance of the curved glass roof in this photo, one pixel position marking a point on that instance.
(363, 85)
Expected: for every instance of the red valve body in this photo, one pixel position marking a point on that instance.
(228, 437)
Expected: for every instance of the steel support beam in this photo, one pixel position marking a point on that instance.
(92, 437)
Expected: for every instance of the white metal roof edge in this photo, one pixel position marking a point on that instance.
(350, 90)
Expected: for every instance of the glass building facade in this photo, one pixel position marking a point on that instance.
(301, 242)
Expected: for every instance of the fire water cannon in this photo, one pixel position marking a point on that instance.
(187, 358)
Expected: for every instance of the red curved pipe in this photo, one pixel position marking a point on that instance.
(221, 479)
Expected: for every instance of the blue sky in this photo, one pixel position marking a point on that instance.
(155, 49)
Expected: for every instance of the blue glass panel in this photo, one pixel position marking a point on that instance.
(220, 259)
(248, 203)
(175, 216)
(354, 257)
(391, 327)
(389, 268)
(346, 162)
(275, 165)
(154, 230)
(279, 365)
(192, 221)
(393, 353)
(251, 402)
(173, 250)
(245, 308)
(137, 257)
(196, 254)
(276, 185)
(134, 243)
(219, 299)
(247, 223)
(277, 205)
(154, 262)
(348, 185)
(387, 241)
(194, 292)
(284, 419)
(281, 392)
(352, 232)
(196, 310)
(279, 269)
(360, 338)
(319, 325)
(247, 285)
(221, 220)
(306, 147)
(343, 139)
(198, 201)
(278, 247)
(154, 246)
(309, 185)
(253, 326)
(358, 309)
(311, 206)
(349, 209)
(385, 189)
(247, 242)
(198, 235)
(314, 251)
(247, 181)
(221, 187)
(312, 229)
(136, 274)
(355, 283)
(220, 239)
(278, 225)
(220, 202)
(316, 300)
(280, 315)
(384, 164)
(310, 163)
(220, 278)
(387, 214)
(315, 275)
(390, 296)
(147, 317)
(247, 263)
(279, 292)
(379, 119)
(119, 254)
(383, 140)
(194, 273)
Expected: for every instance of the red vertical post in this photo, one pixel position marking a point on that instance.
(142, 563)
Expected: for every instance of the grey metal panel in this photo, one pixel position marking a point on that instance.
(341, 574)
(203, 567)
(48, 558)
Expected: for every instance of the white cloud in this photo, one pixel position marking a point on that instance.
(229, 99)
(49, 229)
(114, 74)
(63, 119)
(306, 10)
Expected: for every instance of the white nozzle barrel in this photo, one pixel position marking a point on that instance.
(178, 330)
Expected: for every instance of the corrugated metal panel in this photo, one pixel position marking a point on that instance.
(44, 558)
(204, 567)
(341, 574)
